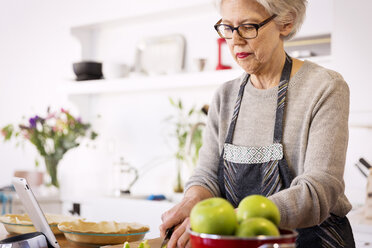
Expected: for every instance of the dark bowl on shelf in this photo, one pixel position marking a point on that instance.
(87, 70)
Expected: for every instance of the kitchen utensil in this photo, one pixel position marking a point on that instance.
(102, 238)
(125, 176)
(21, 223)
(200, 63)
(168, 235)
(102, 233)
(287, 238)
(24, 228)
(368, 204)
(221, 66)
(360, 169)
(365, 163)
(34, 240)
(115, 70)
(160, 55)
(87, 70)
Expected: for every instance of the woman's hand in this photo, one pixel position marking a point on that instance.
(180, 237)
(178, 216)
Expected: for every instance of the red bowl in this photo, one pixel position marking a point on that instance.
(286, 239)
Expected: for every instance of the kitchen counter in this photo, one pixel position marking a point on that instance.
(362, 229)
(64, 243)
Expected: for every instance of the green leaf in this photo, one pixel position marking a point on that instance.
(171, 101)
(93, 135)
(7, 132)
(37, 163)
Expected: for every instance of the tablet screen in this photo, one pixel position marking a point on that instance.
(33, 209)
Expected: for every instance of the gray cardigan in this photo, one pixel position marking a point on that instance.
(315, 141)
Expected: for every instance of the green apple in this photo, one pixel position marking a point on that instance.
(213, 216)
(258, 206)
(143, 244)
(256, 226)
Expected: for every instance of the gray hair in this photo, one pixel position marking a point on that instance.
(287, 11)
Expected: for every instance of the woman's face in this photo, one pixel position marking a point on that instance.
(253, 55)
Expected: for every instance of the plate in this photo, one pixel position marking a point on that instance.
(98, 239)
(23, 228)
(102, 233)
(161, 55)
(21, 223)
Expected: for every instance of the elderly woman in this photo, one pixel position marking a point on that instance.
(281, 130)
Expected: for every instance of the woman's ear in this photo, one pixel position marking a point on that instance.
(286, 29)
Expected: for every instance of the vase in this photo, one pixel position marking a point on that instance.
(51, 165)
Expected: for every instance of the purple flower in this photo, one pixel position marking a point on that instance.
(33, 121)
(78, 119)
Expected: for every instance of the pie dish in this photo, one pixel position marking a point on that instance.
(21, 223)
(102, 233)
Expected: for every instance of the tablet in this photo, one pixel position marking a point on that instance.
(33, 209)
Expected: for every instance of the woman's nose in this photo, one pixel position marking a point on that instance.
(236, 38)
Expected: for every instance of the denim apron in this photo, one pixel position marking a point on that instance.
(244, 171)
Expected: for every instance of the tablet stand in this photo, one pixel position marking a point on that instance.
(28, 240)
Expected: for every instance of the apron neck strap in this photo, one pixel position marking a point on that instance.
(282, 92)
(230, 132)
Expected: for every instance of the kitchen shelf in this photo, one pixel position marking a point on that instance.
(139, 83)
(142, 83)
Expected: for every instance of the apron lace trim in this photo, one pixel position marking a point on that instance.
(252, 154)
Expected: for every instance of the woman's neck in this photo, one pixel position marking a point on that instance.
(269, 75)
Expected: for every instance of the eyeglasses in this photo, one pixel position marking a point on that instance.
(246, 31)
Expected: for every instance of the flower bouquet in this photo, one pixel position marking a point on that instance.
(52, 136)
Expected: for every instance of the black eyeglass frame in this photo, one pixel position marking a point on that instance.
(255, 25)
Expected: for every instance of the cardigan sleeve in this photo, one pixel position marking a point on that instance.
(312, 195)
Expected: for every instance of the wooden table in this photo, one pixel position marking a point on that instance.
(64, 243)
(154, 243)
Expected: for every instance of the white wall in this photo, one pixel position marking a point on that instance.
(37, 51)
(33, 54)
(352, 53)
(37, 54)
